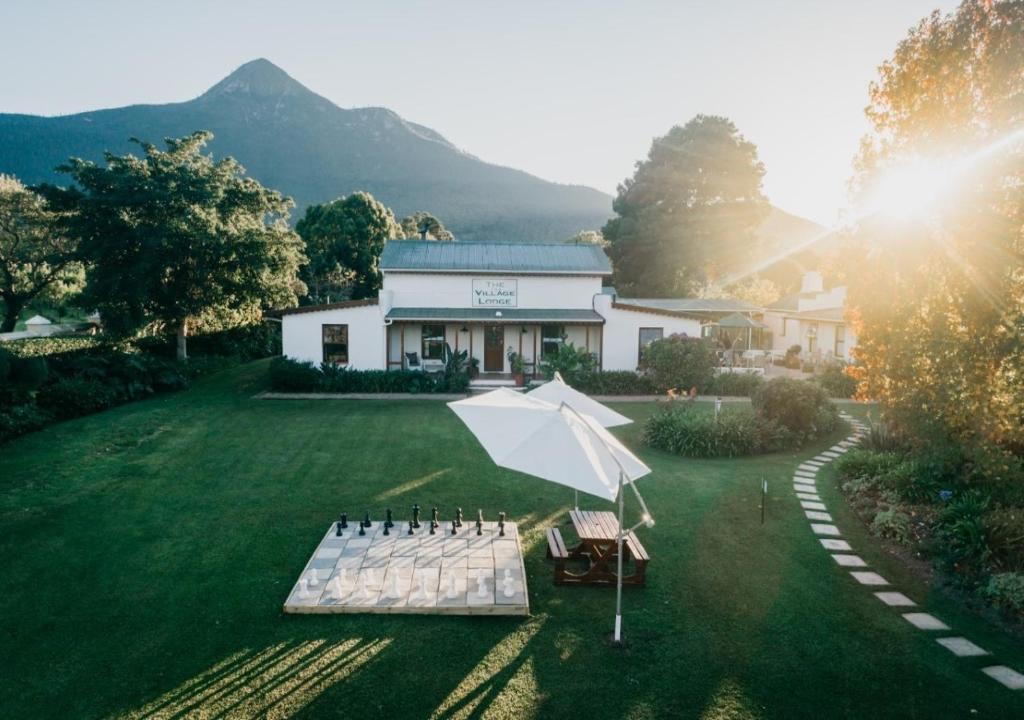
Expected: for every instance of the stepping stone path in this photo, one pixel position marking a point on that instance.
(804, 478)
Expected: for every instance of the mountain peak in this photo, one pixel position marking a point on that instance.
(260, 78)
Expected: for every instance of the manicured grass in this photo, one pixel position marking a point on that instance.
(147, 552)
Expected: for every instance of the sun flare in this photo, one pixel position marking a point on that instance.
(914, 189)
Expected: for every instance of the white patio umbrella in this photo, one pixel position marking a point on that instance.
(557, 391)
(559, 444)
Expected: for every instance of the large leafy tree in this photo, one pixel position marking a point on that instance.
(689, 211)
(344, 239)
(173, 234)
(36, 258)
(939, 295)
(419, 223)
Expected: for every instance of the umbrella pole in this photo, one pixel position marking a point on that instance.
(618, 577)
(576, 502)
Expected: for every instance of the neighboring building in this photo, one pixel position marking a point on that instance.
(489, 299)
(814, 319)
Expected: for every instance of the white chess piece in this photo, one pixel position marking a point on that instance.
(481, 583)
(335, 588)
(314, 579)
(507, 584)
(303, 589)
(452, 589)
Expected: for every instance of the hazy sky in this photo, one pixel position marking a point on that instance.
(570, 91)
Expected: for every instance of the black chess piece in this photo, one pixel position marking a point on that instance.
(343, 520)
(366, 519)
(387, 530)
(337, 528)
(455, 528)
(388, 522)
(410, 527)
(501, 524)
(479, 522)
(458, 517)
(362, 529)
(433, 517)
(433, 528)
(416, 516)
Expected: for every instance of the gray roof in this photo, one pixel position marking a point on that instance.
(736, 320)
(427, 256)
(683, 305)
(492, 315)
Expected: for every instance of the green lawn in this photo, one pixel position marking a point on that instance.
(147, 551)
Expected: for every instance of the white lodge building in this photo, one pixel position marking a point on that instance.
(487, 298)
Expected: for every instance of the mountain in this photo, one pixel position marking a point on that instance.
(300, 143)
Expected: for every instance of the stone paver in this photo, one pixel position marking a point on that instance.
(804, 474)
(961, 647)
(817, 515)
(811, 505)
(925, 621)
(813, 463)
(808, 468)
(823, 529)
(830, 455)
(869, 578)
(895, 599)
(799, 487)
(830, 544)
(1005, 675)
(807, 496)
(849, 560)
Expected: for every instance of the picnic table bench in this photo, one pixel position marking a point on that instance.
(598, 533)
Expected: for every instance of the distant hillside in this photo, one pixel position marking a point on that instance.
(302, 144)
(788, 246)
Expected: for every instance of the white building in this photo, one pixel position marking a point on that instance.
(489, 299)
(814, 319)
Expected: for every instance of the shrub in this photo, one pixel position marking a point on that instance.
(687, 430)
(55, 346)
(680, 362)
(30, 372)
(571, 362)
(20, 419)
(835, 381)
(881, 437)
(73, 397)
(865, 464)
(801, 407)
(1005, 591)
(734, 384)
(892, 523)
(5, 365)
(615, 382)
(287, 375)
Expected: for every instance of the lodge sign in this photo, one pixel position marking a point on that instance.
(495, 293)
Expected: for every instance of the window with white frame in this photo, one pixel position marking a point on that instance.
(840, 344)
(551, 338)
(433, 342)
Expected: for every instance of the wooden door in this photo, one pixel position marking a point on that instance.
(494, 348)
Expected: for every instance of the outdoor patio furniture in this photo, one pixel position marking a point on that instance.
(412, 361)
(598, 537)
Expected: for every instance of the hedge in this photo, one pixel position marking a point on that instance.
(692, 432)
(287, 375)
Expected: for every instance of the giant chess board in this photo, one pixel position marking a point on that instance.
(445, 574)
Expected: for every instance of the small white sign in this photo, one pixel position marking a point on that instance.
(495, 293)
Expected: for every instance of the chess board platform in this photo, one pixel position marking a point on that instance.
(442, 574)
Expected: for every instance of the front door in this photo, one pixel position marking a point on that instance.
(494, 348)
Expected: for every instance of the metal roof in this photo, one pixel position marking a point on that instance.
(691, 305)
(736, 320)
(491, 315)
(483, 257)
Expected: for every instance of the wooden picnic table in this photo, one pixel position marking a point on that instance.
(598, 533)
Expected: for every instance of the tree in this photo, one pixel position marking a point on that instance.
(172, 235)
(344, 239)
(688, 212)
(939, 296)
(36, 258)
(419, 223)
(587, 237)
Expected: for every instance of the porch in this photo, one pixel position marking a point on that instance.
(418, 335)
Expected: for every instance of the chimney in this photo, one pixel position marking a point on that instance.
(812, 282)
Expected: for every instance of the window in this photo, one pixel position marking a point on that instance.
(335, 342)
(647, 336)
(785, 327)
(551, 338)
(840, 346)
(433, 342)
(812, 337)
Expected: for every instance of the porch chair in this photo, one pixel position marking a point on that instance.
(412, 361)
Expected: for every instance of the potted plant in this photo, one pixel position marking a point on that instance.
(474, 368)
(515, 361)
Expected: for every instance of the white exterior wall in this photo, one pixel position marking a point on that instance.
(442, 290)
(302, 335)
(621, 344)
(797, 334)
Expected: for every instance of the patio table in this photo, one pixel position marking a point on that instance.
(598, 546)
